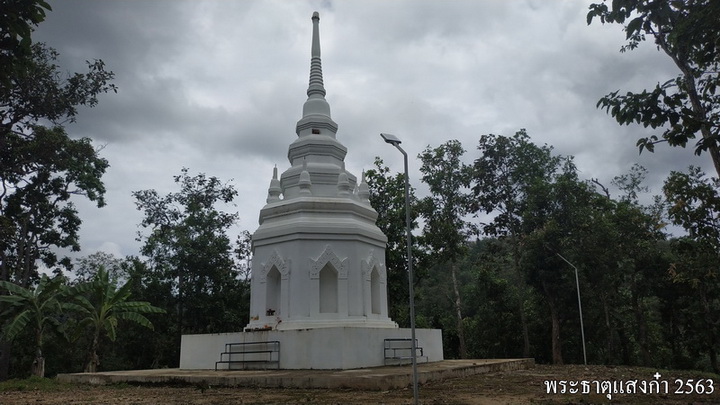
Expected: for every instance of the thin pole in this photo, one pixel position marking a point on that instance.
(582, 328)
(411, 278)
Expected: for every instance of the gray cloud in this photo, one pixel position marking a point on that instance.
(218, 86)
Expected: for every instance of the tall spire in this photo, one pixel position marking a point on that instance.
(316, 79)
(316, 110)
(316, 155)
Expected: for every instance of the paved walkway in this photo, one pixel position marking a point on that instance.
(376, 378)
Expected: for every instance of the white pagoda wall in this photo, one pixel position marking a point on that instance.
(288, 279)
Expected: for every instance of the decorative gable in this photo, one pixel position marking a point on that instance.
(328, 256)
(372, 262)
(275, 260)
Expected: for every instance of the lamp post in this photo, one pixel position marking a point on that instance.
(577, 283)
(394, 141)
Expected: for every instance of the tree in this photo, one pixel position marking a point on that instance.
(37, 308)
(16, 25)
(85, 268)
(387, 197)
(688, 31)
(103, 305)
(446, 230)
(188, 246)
(503, 177)
(41, 167)
(535, 199)
(694, 203)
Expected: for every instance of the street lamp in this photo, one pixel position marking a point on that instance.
(394, 141)
(577, 283)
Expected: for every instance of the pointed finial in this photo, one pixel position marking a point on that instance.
(275, 188)
(343, 184)
(305, 183)
(316, 110)
(316, 78)
(364, 189)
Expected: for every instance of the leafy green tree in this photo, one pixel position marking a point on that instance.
(503, 176)
(694, 203)
(37, 308)
(42, 167)
(137, 347)
(18, 19)
(32, 91)
(387, 197)
(85, 268)
(551, 216)
(188, 247)
(537, 205)
(446, 229)
(102, 305)
(494, 289)
(688, 31)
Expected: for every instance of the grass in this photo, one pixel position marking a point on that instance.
(33, 384)
(48, 385)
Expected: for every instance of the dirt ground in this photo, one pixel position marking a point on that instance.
(517, 387)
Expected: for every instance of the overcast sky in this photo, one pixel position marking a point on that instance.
(218, 86)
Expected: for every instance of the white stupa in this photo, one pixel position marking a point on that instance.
(318, 287)
(318, 257)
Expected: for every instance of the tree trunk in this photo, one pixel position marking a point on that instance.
(4, 274)
(610, 331)
(38, 364)
(556, 343)
(624, 347)
(526, 334)
(5, 347)
(699, 110)
(641, 327)
(521, 287)
(458, 311)
(555, 333)
(711, 334)
(93, 359)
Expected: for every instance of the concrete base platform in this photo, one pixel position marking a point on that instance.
(336, 348)
(376, 378)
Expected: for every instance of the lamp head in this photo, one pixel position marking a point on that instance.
(391, 139)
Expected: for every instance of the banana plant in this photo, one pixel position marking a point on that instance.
(102, 305)
(37, 308)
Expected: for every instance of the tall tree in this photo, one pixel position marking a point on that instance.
(533, 197)
(694, 203)
(502, 178)
(188, 246)
(688, 31)
(446, 230)
(552, 214)
(41, 167)
(387, 196)
(86, 267)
